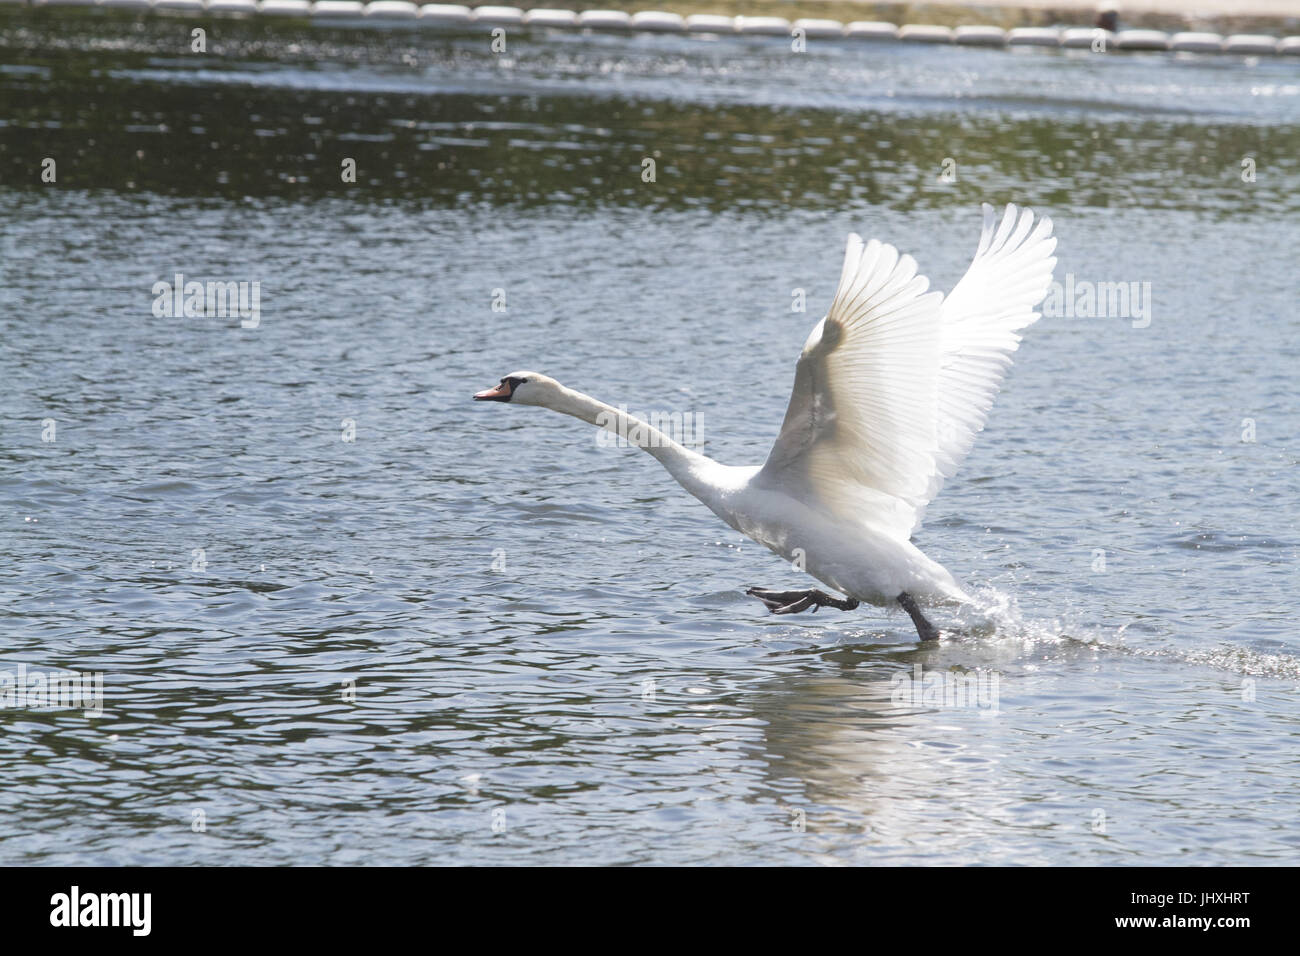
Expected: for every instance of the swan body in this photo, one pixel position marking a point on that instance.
(890, 390)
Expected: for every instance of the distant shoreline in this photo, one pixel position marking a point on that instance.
(1276, 17)
(1222, 16)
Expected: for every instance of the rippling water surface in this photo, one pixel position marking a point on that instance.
(472, 634)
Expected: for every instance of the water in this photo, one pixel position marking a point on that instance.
(608, 694)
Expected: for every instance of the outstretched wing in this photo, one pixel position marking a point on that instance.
(979, 326)
(859, 435)
(893, 385)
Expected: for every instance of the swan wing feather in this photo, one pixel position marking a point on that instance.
(980, 325)
(895, 382)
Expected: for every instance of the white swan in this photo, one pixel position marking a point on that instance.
(889, 392)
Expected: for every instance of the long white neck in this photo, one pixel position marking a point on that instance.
(686, 466)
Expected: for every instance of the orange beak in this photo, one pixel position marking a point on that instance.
(500, 393)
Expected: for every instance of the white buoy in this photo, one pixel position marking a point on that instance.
(231, 7)
(821, 29)
(1034, 36)
(445, 14)
(1083, 38)
(981, 36)
(1142, 40)
(710, 23)
(551, 17)
(1250, 43)
(285, 8)
(331, 8)
(871, 30)
(925, 33)
(655, 21)
(390, 10)
(763, 26)
(1290, 46)
(605, 20)
(498, 16)
(1196, 42)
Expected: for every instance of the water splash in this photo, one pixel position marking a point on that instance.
(996, 617)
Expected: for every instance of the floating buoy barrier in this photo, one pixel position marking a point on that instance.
(448, 16)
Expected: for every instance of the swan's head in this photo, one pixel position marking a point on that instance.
(522, 388)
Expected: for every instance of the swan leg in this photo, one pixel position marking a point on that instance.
(792, 602)
(926, 630)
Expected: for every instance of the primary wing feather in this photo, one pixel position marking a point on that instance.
(979, 327)
(859, 435)
(893, 385)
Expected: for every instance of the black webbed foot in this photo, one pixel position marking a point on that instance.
(792, 602)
